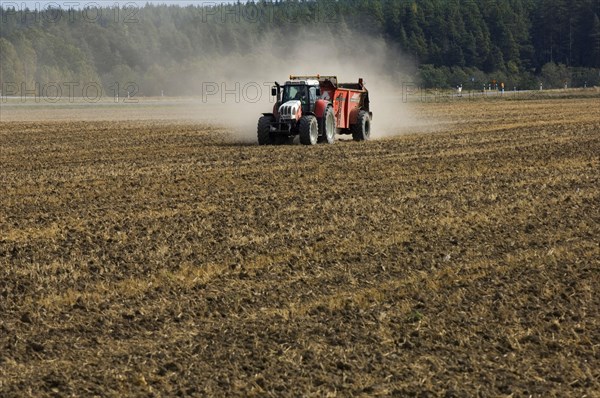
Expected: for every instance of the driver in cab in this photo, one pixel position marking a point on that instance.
(300, 96)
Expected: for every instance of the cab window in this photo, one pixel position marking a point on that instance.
(313, 94)
(292, 93)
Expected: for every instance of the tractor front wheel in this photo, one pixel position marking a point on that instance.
(361, 131)
(264, 130)
(309, 130)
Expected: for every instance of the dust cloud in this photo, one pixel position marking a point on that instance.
(235, 88)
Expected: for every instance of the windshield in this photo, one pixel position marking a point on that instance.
(294, 93)
(307, 95)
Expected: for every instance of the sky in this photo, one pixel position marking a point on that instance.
(66, 4)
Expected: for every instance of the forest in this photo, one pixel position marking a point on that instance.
(449, 42)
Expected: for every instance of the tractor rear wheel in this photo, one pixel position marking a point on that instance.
(264, 130)
(361, 131)
(309, 130)
(327, 126)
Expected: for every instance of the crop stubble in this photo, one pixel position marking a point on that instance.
(159, 257)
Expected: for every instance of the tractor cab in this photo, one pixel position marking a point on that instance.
(295, 94)
(304, 92)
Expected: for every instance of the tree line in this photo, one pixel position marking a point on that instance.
(453, 42)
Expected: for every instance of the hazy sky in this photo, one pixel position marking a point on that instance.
(41, 4)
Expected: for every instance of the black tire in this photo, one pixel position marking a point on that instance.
(264, 130)
(309, 130)
(327, 127)
(361, 131)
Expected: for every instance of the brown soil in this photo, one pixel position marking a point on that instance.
(159, 258)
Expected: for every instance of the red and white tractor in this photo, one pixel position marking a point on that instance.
(316, 108)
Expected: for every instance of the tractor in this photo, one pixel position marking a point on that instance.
(316, 108)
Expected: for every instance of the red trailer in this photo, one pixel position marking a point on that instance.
(316, 108)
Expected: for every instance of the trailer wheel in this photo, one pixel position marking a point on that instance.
(309, 130)
(327, 126)
(264, 130)
(361, 131)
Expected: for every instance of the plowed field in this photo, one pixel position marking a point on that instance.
(160, 258)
